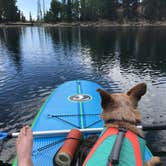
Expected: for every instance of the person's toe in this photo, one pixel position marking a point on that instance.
(22, 132)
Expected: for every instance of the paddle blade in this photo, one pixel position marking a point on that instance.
(3, 135)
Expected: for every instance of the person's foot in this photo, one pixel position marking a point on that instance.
(24, 147)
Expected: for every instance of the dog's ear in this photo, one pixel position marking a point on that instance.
(137, 92)
(105, 98)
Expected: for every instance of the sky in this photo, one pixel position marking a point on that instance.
(28, 6)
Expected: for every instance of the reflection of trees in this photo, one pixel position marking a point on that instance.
(68, 38)
(11, 38)
(142, 47)
(138, 48)
(99, 43)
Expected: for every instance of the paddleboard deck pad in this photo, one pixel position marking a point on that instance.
(74, 104)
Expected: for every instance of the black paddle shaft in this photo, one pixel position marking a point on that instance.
(154, 127)
(115, 153)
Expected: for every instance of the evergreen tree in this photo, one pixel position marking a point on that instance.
(89, 10)
(63, 13)
(8, 10)
(69, 10)
(23, 19)
(30, 17)
(18, 16)
(130, 8)
(75, 10)
(134, 8)
(155, 10)
(162, 7)
(39, 11)
(44, 10)
(108, 9)
(82, 10)
(2, 9)
(53, 15)
(126, 6)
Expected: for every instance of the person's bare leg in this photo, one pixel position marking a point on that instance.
(24, 147)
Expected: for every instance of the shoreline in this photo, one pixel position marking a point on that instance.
(108, 24)
(96, 24)
(8, 24)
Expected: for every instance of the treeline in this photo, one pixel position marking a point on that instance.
(88, 10)
(116, 10)
(10, 12)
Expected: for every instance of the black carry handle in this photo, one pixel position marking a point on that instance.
(115, 153)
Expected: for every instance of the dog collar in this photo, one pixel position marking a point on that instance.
(117, 120)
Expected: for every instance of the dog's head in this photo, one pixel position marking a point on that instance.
(122, 107)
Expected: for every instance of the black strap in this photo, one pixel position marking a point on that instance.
(115, 153)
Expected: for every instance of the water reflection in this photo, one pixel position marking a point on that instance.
(116, 58)
(140, 48)
(130, 46)
(133, 47)
(11, 38)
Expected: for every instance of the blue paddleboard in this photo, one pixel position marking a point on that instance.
(74, 104)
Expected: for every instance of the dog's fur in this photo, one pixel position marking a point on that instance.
(122, 108)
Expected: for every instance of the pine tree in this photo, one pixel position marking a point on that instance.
(69, 10)
(54, 13)
(39, 11)
(83, 12)
(8, 10)
(23, 19)
(76, 10)
(30, 17)
(44, 8)
(155, 10)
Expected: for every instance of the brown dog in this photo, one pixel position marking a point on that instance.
(120, 110)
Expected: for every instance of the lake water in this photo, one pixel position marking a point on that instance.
(35, 60)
